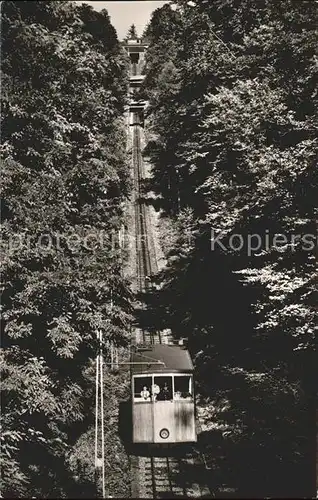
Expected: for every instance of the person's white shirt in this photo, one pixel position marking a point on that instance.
(155, 389)
(145, 394)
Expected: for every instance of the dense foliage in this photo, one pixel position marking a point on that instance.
(231, 87)
(64, 85)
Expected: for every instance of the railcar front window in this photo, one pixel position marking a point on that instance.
(162, 389)
(183, 388)
(142, 389)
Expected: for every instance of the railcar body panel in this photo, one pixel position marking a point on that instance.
(164, 419)
(185, 421)
(143, 422)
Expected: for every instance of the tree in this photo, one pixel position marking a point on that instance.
(132, 33)
(65, 178)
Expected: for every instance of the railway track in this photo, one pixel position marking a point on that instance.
(156, 476)
(142, 248)
(167, 477)
(146, 260)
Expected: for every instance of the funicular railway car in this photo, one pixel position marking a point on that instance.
(163, 409)
(136, 116)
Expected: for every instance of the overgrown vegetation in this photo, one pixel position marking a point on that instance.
(231, 87)
(64, 85)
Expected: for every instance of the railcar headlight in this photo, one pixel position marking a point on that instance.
(164, 433)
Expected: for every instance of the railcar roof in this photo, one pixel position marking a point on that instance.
(175, 359)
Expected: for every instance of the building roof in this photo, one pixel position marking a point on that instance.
(137, 77)
(173, 359)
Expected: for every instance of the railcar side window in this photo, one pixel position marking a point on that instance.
(162, 389)
(142, 389)
(183, 387)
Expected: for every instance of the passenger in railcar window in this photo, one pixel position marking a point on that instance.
(145, 394)
(165, 393)
(177, 395)
(155, 389)
(165, 385)
(186, 395)
(183, 387)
